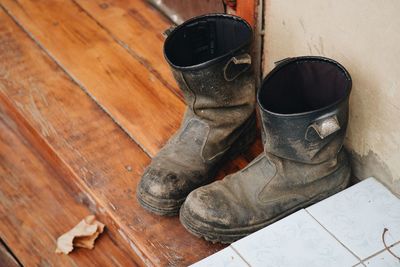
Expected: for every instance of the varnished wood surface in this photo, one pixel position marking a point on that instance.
(246, 9)
(78, 138)
(137, 100)
(7, 259)
(71, 74)
(138, 27)
(35, 209)
(180, 11)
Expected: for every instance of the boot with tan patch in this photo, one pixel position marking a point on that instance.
(304, 106)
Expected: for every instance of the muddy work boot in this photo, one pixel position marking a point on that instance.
(304, 110)
(209, 57)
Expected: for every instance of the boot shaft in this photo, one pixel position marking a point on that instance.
(304, 104)
(210, 59)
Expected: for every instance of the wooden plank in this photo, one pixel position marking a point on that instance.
(137, 100)
(7, 259)
(247, 10)
(36, 209)
(138, 27)
(120, 19)
(75, 136)
(179, 11)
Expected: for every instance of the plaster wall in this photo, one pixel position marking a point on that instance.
(364, 36)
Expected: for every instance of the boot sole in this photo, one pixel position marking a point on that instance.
(228, 236)
(170, 207)
(156, 207)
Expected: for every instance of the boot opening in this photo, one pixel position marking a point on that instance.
(303, 85)
(206, 38)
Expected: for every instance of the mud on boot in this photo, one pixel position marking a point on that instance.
(209, 57)
(303, 104)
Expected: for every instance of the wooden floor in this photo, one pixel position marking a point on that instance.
(86, 100)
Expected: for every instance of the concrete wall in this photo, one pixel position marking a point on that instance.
(363, 35)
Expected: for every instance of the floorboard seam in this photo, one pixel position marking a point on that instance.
(74, 80)
(2, 242)
(81, 183)
(137, 57)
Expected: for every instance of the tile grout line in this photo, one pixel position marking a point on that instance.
(362, 260)
(380, 251)
(359, 259)
(74, 80)
(237, 252)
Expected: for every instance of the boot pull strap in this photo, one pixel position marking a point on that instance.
(323, 127)
(236, 66)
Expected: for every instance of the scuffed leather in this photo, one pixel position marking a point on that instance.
(177, 168)
(267, 188)
(218, 115)
(222, 105)
(298, 166)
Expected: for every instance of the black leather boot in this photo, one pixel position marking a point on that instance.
(304, 109)
(209, 57)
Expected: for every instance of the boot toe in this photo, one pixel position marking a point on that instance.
(163, 191)
(158, 191)
(209, 207)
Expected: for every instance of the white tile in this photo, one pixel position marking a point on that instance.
(385, 259)
(297, 240)
(223, 258)
(358, 216)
